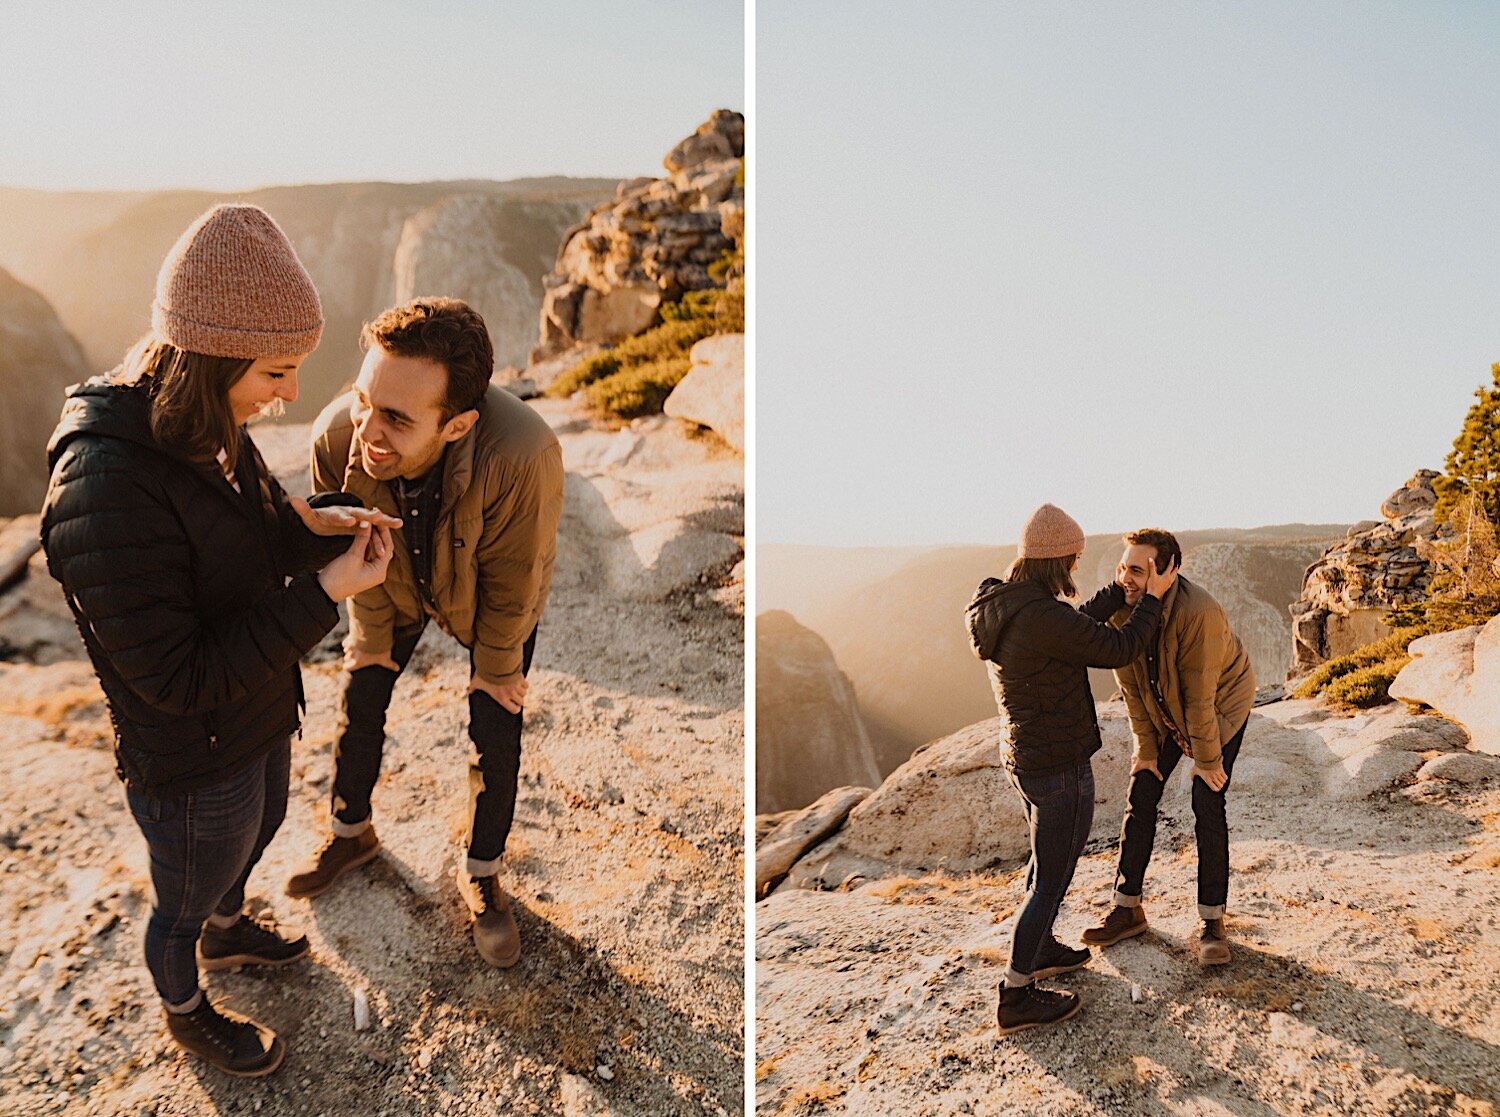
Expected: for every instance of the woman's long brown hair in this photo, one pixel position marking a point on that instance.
(189, 397)
(1054, 573)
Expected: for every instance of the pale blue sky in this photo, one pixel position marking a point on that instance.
(143, 95)
(1196, 264)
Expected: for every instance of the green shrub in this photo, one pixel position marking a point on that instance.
(640, 389)
(668, 341)
(636, 376)
(1366, 686)
(1357, 671)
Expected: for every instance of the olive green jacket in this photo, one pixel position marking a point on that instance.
(495, 539)
(1204, 675)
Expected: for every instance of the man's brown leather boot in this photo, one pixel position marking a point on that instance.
(335, 857)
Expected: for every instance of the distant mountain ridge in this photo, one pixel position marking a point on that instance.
(94, 256)
(899, 636)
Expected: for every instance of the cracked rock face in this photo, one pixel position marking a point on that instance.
(1347, 592)
(649, 245)
(38, 359)
(809, 734)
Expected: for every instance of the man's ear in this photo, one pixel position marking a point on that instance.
(460, 425)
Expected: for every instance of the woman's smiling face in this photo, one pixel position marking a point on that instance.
(269, 383)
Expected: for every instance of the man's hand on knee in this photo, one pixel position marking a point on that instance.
(355, 660)
(511, 695)
(1141, 764)
(1211, 774)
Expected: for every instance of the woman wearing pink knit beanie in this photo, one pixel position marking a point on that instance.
(1038, 649)
(197, 586)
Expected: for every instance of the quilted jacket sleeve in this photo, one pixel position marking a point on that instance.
(372, 615)
(120, 553)
(1068, 635)
(1104, 604)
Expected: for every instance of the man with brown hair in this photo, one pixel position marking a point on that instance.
(476, 476)
(1189, 695)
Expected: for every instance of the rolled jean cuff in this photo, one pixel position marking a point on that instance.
(348, 829)
(482, 868)
(1211, 911)
(1014, 979)
(1124, 901)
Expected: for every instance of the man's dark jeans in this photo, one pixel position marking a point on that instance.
(203, 847)
(1138, 832)
(494, 765)
(1059, 811)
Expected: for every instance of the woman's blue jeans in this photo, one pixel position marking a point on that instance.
(1059, 811)
(202, 848)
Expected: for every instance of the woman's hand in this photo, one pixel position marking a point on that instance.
(339, 519)
(1157, 585)
(362, 566)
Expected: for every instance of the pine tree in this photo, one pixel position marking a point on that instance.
(1473, 465)
(1465, 586)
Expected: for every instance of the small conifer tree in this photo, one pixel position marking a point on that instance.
(1473, 465)
(1465, 586)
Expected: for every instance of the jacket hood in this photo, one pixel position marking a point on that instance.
(99, 407)
(994, 606)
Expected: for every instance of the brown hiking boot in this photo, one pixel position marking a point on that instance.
(1027, 1006)
(249, 941)
(1120, 923)
(495, 931)
(335, 857)
(1213, 947)
(227, 1040)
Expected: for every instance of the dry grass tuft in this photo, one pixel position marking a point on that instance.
(999, 955)
(892, 887)
(1428, 930)
(811, 1099)
(59, 708)
(1258, 993)
(576, 1051)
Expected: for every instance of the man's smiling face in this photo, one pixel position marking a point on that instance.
(1135, 566)
(398, 414)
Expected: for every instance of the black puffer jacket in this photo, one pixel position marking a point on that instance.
(178, 584)
(1038, 651)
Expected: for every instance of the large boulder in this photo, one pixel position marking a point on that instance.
(38, 359)
(951, 807)
(809, 735)
(1377, 567)
(795, 834)
(649, 509)
(489, 251)
(1458, 674)
(712, 394)
(653, 242)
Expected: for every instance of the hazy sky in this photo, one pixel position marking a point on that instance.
(234, 96)
(1196, 264)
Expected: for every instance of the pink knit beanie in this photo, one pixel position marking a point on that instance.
(1051, 533)
(232, 286)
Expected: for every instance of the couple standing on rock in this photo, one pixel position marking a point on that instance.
(198, 585)
(1188, 687)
